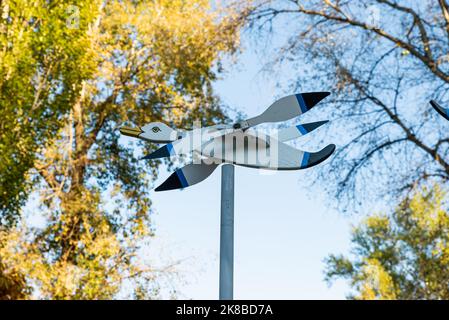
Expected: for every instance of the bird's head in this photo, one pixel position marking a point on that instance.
(155, 132)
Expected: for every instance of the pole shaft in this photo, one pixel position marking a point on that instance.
(227, 233)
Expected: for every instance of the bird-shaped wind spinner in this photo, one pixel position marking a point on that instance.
(237, 144)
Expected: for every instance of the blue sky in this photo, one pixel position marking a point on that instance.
(283, 231)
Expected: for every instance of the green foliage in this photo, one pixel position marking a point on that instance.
(128, 61)
(404, 255)
(42, 65)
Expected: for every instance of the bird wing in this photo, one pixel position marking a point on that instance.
(187, 176)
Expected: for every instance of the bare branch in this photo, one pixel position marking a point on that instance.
(445, 10)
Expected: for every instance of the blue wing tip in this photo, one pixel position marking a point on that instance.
(309, 127)
(162, 152)
(173, 182)
(310, 99)
(311, 159)
(176, 180)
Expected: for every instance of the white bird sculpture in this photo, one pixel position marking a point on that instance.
(237, 144)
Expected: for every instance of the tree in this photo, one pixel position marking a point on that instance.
(404, 255)
(148, 61)
(13, 285)
(383, 60)
(42, 65)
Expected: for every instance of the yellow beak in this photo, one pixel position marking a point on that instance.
(132, 132)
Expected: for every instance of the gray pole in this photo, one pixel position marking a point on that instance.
(227, 233)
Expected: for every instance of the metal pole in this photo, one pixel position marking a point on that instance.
(227, 233)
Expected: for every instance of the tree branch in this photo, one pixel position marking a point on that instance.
(345, 19)
(445, 10)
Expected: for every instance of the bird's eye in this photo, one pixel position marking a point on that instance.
(155, 129)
